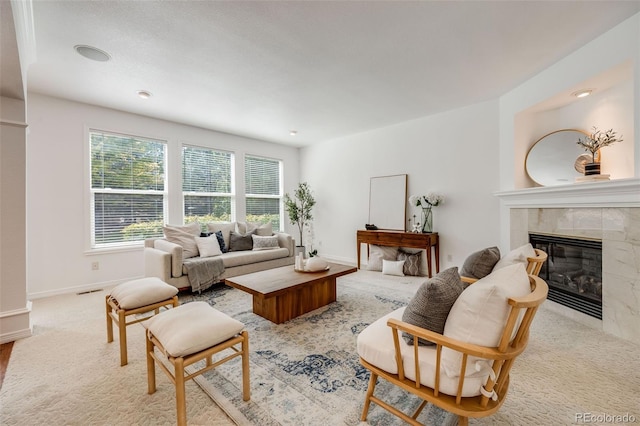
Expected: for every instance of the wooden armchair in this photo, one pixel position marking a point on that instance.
(534, 266)
(444, 374)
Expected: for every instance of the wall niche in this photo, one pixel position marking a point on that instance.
(610, 106)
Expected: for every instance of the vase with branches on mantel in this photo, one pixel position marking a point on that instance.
(593, 143)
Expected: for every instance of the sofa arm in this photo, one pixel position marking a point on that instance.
(157, 263)
(175, 251)
(286, 241)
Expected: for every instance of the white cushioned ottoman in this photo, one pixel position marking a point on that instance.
(142, 292)
(132, 298)
(188, 334)
(192, 327)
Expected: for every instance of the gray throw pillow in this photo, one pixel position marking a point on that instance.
(480, 264)
(430, 306)
(411, 262)
(240, 242)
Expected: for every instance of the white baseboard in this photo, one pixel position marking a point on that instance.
(104, 285)
(16, 335)
(19, 319)
(338, 259)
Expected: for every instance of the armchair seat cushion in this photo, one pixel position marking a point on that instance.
(375, 346)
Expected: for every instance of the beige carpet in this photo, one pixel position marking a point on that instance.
(66, 374)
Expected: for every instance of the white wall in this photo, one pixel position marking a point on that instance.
(454, 153)
(59, 255)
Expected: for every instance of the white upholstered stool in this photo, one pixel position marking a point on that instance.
(190, 333)
(136, 297)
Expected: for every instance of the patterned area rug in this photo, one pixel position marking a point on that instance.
(306, 371)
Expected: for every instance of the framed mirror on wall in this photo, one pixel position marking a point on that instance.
(556, 158)
(388, 202)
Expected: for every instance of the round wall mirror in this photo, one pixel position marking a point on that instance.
(556, 158)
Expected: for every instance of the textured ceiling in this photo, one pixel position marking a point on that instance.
(326, 69)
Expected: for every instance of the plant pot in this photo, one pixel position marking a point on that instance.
(591, 169)
(300, 249)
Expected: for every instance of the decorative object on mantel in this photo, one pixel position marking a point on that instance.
(427, 202)
(299, 210)
(593, 143)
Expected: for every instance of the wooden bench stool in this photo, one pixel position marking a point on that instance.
(132, 298)
(188, 334)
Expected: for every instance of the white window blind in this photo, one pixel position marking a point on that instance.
(127, 188)
(207, 184)
(263, 190)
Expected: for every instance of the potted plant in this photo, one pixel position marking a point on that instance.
(299, 210)
(593, 143)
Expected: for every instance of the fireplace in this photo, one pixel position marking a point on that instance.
(573, 271)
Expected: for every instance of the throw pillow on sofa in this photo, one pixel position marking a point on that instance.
(261, 229)
(265, 243)
(430, 306)
(223, 247)
(208, 246)
(480, 264)
(240, 242)
(184, 236)
(224, 227)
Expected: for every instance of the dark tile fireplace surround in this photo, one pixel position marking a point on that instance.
(573, 271)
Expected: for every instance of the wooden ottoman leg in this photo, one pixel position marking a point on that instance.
(122, 333)
(151, 366)
(180, 392)
(246, 388)
(109, 320)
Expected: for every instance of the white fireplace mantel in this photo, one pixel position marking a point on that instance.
(613, 193)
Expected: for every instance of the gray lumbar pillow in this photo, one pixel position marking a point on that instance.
(480, 264)
(431, 304)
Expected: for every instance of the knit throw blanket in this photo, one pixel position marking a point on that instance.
(203, 272)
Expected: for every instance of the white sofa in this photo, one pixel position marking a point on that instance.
(163, 259)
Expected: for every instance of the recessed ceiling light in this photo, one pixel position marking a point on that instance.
(582, 93)
(92, 53)
(293, 132)
(144, 94)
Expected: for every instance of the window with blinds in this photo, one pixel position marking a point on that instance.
(127, 188)
(207, 184)
(263, 190)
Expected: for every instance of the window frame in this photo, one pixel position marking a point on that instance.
(94, 247)
(279, 197)
(232, 180)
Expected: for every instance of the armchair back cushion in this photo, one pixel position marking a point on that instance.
(517, 255)
(480, 313)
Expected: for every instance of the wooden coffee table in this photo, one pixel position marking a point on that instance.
(281, 294)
